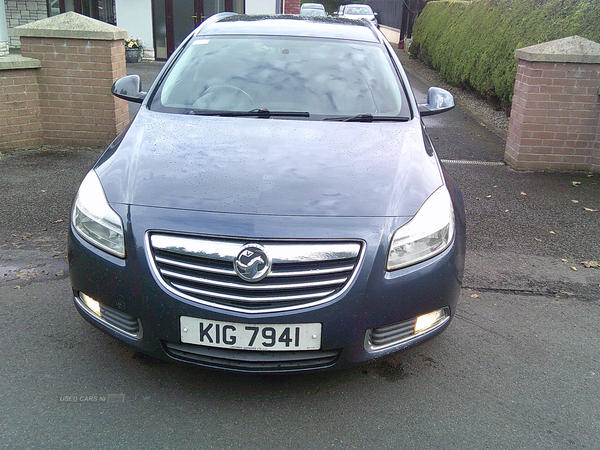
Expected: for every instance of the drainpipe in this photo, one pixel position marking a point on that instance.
(3, 31)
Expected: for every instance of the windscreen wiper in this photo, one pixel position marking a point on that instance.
(261, 113)
(368, 117)
(264, 113)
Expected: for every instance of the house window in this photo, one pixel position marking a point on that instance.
(53, 7)
(103, 10)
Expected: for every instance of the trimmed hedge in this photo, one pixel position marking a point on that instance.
(472, 44)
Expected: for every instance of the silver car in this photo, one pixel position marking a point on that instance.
(312, 9)
(358, 12)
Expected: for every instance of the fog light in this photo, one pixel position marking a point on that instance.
(92, 304)
(113, 318)
(429, 320)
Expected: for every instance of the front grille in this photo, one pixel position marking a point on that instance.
(252, 361)
(302, 273)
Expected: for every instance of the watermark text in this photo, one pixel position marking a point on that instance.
(92, 398)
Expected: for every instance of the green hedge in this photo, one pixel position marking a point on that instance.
(472, 44)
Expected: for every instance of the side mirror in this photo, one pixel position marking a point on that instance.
(375, 14)
(438, 101)
(129, 88)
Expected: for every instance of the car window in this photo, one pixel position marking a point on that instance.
(358, 11)
(325, 77)
(312, 6)
(312, 12)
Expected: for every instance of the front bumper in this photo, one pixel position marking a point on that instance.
(129, 291)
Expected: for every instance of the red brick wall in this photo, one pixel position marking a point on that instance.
(20, 124)
(291, 7)
(555, 117)
(76, 105)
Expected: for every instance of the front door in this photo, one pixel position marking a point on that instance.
(210, 7)
(173, 20)
(182, 18)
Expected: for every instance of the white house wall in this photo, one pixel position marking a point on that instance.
(261, 6)
(3, 31)
(136, 17)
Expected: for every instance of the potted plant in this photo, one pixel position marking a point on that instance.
(133, 49)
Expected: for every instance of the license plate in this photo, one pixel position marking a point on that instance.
(245, 336)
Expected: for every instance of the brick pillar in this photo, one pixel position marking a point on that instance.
(555, 117)
(20, 124)
(80, 59)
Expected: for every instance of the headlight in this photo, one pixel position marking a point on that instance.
(428, 233)
(95, 220)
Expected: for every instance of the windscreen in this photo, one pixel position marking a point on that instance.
(324, 77)
(358, 10)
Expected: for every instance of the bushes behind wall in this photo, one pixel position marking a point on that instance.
(472, 44)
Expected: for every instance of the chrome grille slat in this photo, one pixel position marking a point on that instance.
(227, 250)
(193, 266)
(162, 259)
(239, 298)
(311, 272)
(251, 287)
(201, 269)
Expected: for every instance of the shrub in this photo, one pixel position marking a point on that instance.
(472, 43)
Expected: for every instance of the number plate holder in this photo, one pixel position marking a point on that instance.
(246, 336)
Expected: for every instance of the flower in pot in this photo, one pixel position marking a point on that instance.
(133, 49)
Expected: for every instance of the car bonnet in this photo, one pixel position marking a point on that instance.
(271, 166)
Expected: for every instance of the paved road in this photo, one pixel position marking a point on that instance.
(519, 367)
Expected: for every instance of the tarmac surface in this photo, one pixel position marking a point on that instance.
(519, 367)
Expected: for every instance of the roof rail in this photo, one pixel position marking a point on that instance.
(378, 34)
(212, 19)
